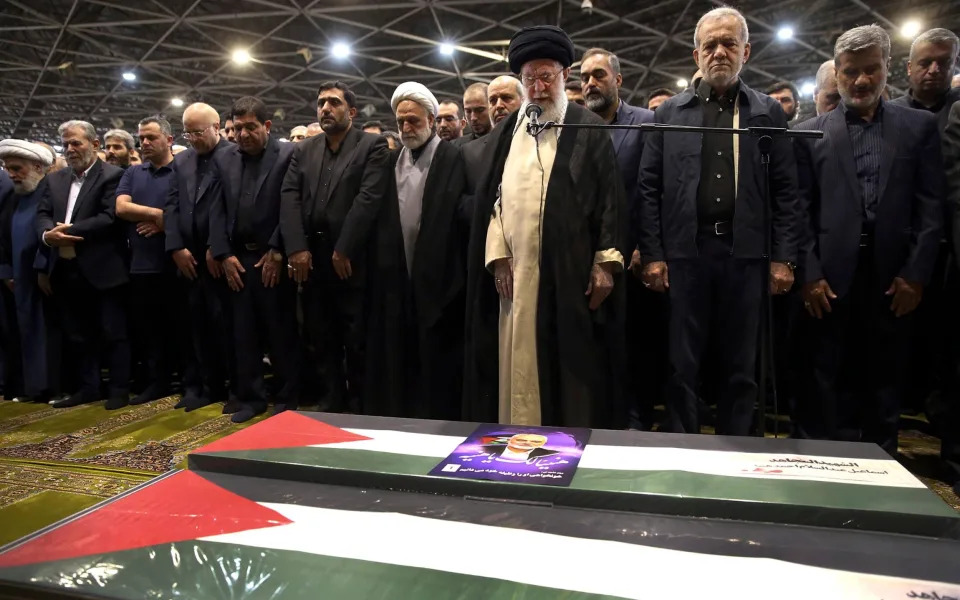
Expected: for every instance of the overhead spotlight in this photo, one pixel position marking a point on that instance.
(241, 56)
(682, 83)
(129, 76)
(340, 50)
(586, 6)
(807, 88)
(177, 102)
(785, 33)
(446, 49)
(910, 29)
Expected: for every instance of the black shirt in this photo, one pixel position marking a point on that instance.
(941, 108)
(248, 196)
(717, 193)
(866, 139)
(330, 161)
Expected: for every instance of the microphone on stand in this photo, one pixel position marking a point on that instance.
(533, 113)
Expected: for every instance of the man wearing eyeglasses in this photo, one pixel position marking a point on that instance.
(187, 223)
(545, 298)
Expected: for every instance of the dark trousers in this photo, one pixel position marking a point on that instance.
(265, 318)
(156, 301)
(859, 359)
(714, 303)
(94, 323)
(647, 364)
(333, 313)
(209, 357)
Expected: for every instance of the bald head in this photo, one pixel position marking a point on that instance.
(505, 95)
(201, 122)
(475, 108)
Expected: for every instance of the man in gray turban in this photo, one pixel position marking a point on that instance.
(545, 296)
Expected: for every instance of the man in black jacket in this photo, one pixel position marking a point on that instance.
(702, 228)
(245, 235)
(331, 197)
(187, 225)
(88, 269)
(873, 190)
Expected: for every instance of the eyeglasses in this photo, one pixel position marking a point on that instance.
(544, 78)
(192, 135)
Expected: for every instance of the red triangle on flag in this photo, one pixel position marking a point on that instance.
(289, 429)
(184, 506)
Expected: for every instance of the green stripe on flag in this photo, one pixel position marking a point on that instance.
(684, 484)
(205, 569)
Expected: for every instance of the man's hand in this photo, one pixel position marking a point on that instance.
(148, 229)
(781, 278)
(656, 277)
(213, 265)
(341, 264)
(816, 298)
(43, 282)
(600, 285)
(58, 237)
(503, 277)
(185, 262)
(9, 283)
(232, 269)
(299, 265)
(906, 296)
(636, 267)
(269, 269)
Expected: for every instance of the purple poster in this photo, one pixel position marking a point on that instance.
(522, 454)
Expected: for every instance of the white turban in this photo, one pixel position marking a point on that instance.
(26, 150)
(411, 90)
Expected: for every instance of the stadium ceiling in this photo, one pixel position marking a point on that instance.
(115, 61)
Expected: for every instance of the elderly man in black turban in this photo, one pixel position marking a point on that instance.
(545, 297)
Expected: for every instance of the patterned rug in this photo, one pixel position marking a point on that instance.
(56, 462)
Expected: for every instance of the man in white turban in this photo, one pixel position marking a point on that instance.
(26, 163)
(419, 359)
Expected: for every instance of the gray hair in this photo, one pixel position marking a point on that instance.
(861, 38)
(938, 36)
(719, 13)
(611, 58)
(161, 122)
(823, 72)
(88, 131)
(122, 135)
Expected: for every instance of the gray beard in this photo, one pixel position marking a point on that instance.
(553, 109)
(27, 186)
(419, 139)
(597, 102)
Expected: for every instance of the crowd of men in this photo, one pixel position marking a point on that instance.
(475, 266)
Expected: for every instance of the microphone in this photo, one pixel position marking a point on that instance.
(533, 113)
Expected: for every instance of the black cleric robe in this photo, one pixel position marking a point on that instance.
(415, 327)
(580, 353)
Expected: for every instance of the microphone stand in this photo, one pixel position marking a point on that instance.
(765, 136)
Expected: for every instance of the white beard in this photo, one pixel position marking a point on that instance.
(417, 139)
(553, 108)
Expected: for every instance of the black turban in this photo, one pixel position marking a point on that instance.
(539, 42)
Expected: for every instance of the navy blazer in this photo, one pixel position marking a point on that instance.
(227, 188)
(188, 202)
(102, 255)
(628, 146)
(911, 197)
(670, 176)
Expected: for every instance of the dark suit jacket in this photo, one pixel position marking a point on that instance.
(477, 157)
(8, 204)
(951, 158)
(942, 112)
(188, 203)
(670, 176)
(226, 190)
(102, 255)
(911, 195)
(356, 192)
(628, 146)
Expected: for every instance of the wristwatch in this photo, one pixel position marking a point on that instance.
(790, 265)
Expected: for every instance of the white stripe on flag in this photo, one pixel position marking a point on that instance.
(561, 562)
(636, 458)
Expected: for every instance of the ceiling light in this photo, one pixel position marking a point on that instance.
(785, 33)
(807, 89)
(682, 83)
(340, 50)
(177, 102)
(241, 56)
(910, 29)
(129, 76)
(446, 49)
